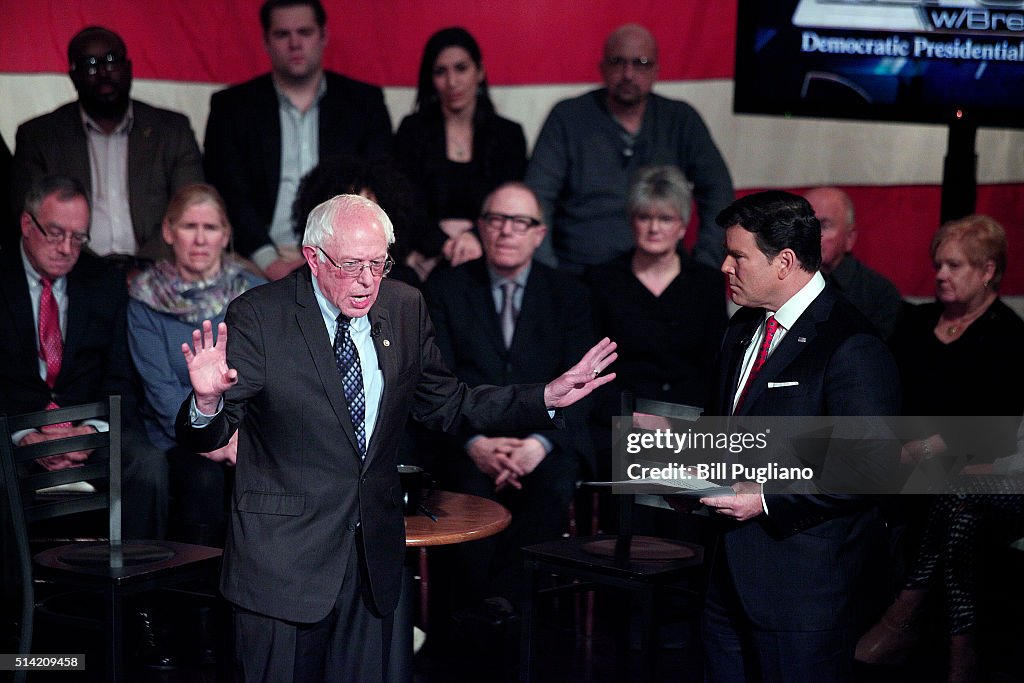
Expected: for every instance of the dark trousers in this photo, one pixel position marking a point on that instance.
(736, 651)
(352, 643)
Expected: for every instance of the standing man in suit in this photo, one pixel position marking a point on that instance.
(315, 549)
(130, 156)
(781, 601)
(264, 135)
(62, 323)
(507, 319)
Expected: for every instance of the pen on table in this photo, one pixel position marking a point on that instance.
(427, 512)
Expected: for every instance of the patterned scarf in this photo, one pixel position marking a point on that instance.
(162, 289)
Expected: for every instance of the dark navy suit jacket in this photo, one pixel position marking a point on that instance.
(795, 568)
(95, 362)
(553, 331)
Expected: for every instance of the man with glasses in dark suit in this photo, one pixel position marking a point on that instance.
(507, 319)
(62, 324)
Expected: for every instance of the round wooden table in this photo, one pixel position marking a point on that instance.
(461, 517)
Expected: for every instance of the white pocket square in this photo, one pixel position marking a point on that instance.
(779, 385)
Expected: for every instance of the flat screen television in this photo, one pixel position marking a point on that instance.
(924, 61)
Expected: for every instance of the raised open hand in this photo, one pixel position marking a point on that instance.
(583, 377)
(208, 366)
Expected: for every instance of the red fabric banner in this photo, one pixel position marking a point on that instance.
(529, 42)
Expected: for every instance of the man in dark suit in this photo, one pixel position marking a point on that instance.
(130, 156)
(264, 135)
(782, 599)
(315, 549)
(62, 322)
(870, 292)
(507, 319)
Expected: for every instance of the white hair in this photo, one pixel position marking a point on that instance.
(322, 219)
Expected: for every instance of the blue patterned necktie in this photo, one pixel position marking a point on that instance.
(351, 372)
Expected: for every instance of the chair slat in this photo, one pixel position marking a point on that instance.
(86, 411)
(43, 449)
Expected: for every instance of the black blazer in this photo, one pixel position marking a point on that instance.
(95, 362)
(301, 491)
(243, 145)
(808, 551)
(553, 331)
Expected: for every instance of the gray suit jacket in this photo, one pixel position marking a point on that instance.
(162, 156)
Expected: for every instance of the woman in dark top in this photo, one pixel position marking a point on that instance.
(455, 148)
(665, 310)
(958, 356)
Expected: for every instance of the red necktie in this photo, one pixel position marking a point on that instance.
(771, 326)
(51, 345)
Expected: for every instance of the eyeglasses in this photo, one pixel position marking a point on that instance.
(57, 236)
(520, 224)
(355, 268)
(92, 65)
(638, 63)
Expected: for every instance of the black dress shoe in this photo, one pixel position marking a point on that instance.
(153, 650)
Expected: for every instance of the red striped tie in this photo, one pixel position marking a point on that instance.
(771, 326)
(51, 345)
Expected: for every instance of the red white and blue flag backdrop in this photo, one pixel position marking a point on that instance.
(537, 52)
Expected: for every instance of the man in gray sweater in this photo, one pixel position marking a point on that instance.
(590, 147)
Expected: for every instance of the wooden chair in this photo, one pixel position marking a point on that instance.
(642, 565)
(113, 569)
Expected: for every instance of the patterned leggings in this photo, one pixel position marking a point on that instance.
(952, 539)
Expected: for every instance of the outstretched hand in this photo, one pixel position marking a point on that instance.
(582, 378)
(208, 366)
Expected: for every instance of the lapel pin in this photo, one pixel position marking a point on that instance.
(802, 340)
(386, 342)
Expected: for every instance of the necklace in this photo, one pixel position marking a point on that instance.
(952, 329)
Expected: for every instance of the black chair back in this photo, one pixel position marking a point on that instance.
(32, 493)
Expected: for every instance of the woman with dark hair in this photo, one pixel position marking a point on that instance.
(454, 146)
